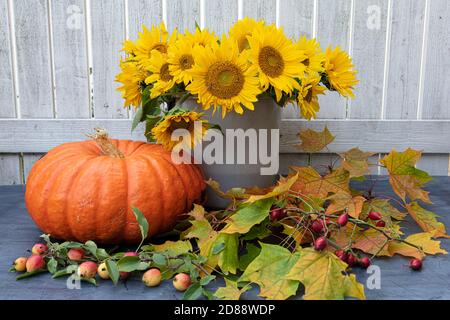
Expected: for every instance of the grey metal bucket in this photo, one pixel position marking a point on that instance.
(267, 115)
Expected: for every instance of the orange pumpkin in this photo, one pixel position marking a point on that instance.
(86, 190)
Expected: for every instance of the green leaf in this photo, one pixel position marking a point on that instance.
(65, 272)
(269, 271)
(252, 252)
(143, 224)
(194, 292)
(137, 118)
(252, 214)
(90, 280)
(30, 274)
(113, 271)
(52, 265)
(159, 259)
(91, 247)
(174, 248)
(228, 256)
(128, 264)
(323, 275)
(218, 248)
(206, 280)
(101, 254)
(427, 220)
(231, 291)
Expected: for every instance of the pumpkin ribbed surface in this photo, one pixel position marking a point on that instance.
(78, 193)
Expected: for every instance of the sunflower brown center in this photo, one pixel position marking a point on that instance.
(224, 80)
(161, 47)
(271, 62)
(186, 61)
(306, 62)
(164, 72)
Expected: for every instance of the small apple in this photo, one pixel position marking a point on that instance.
(87, 270)
(35, 262)
(375, 216)
(181, 282)
(152, 277)
(277, 213)
(343, 220)
(131, 254)
(320, 243)
(364, 262)
(415, 264)
(317, 226)
(102, 271)
(20, 265)
(75, 254)
(39, 249)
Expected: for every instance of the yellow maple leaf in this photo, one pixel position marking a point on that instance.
(404, 177)
(314, 141)
(323, 276)
(426, 220)
(231, 291)
(423, 240)
(356, 162)
(310, 182)
(343, 200)
(283, 187)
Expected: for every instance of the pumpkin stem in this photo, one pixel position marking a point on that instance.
(105, 144)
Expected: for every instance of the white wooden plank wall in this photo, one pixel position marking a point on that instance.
(59, 58)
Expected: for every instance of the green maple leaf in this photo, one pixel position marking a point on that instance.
(248, 216)
(323, 276)
(231, 291)
(269, 271)
(427, 220)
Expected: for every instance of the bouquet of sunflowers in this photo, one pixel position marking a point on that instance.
(161, 71)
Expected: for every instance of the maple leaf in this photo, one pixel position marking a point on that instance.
(248, 216)
(283, 187)
(231, 291)
(198, 213)
(269, 271)
(323, 276)
(232, 194)
(426, 220)
(343, 200)
(310, 182)
(356, 162)
(384, 207)
(423, 240)
(405, 179)
(300, 235)
(314, 141)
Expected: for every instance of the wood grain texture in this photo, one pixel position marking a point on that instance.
(369, 51)
(143, 12)
(220, 15)
(260, 9)
(437, 68)
(434, 164)
(33, 58)
(182, 14)
(371, 135)
(296, 18)
(108, 35)
(333, 28)
(7, 103)
(10, 169)
(29, 159)
(402, 92)
(70, 59)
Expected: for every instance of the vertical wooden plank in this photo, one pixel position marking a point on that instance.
(9, 169)
(108, 35)
(261, 9)
(182, 14)
(402, 92)
(29, 160)
(436, 91)
(143, 12)
(333, 26)
(33, 58)
(7, 104)
(369, 51)
(70, 59)
(296, 18)
(220, 15)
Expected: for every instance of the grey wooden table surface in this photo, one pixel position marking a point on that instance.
(18, 234)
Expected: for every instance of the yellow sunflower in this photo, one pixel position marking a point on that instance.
(155, 39)
(242, 29)
(202, 37)
(129, 47)
(222, 77)
(181, 59)
(160, 76)
(308, 100)
(132, 78)
(314, 56)
(277, 60)
(340, 72)
(184, 120)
